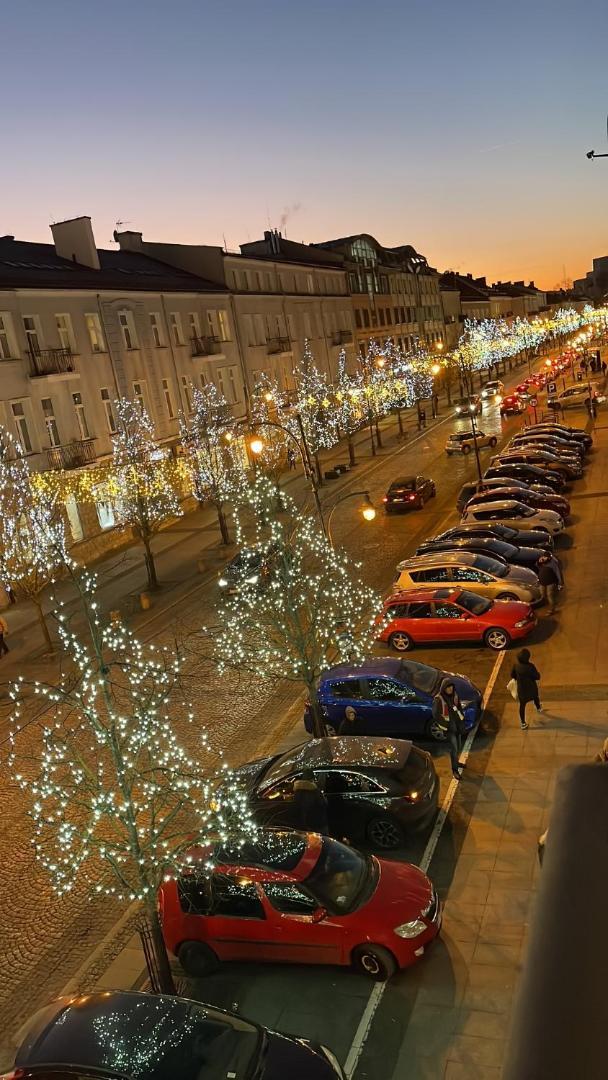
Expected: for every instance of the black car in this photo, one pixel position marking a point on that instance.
(568, 468)
(252, 566)
(474, 487)
(535, 538)
(467, 406)
(123, 1035)
(531, 473)
(577, 435)
(409, 493)
(486, 545)
(553, 443)
(376, 789)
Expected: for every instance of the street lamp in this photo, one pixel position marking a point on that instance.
(475, 446)
(368, 510)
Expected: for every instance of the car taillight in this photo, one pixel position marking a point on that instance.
(412, 497)
(385, 498)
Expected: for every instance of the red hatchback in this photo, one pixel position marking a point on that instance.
(512, 403)
(294, 897)
(429, 617)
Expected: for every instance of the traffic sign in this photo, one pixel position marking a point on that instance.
(551, 387)
(533, 402)
(579, 376)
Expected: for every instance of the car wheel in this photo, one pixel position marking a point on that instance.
(466, 449)
(493, 441)
(507, 596)
(496, 638)
(435, 731)
(375, 961)
(197, 959)
(385, 833)
(400, 641)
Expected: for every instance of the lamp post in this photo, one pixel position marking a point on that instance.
(368, 510)
(475, 446)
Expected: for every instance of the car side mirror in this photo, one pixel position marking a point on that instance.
(319, 915)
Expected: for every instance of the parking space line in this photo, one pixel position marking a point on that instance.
(365, 1023)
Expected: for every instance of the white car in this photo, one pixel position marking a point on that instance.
(462, 442)
(574, 396)
(493, 389)
(515, 515)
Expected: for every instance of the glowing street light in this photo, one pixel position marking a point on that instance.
(368, 510)
(256, 446)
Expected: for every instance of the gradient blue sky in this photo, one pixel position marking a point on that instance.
(460, 128)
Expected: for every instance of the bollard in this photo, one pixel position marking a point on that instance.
(145, 600)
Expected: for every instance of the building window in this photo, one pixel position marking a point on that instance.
(310, 283)
(125, 320)
(186, 393)
(93, 326)
(222, 322)
(7, 341)
(83, 426)
(194, 324)
(71, 510)
(358, 319)
(106, 511)
(291, 327)
(50, 421)
(307, 325)
(23, 435)
(249, 330)
(260, 330)
(169, 399)
(156, 328)
(139, 394)
(227, 384)
(107, 404)
(65, 332)
(175, 322)
(32, 333)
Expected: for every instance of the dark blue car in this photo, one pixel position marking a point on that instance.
(391, 697)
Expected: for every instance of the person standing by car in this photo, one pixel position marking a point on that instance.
(349, 724)
(549, 581)
(449, 715)
(527, 678)
(310, 805)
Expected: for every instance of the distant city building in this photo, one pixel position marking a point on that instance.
(594, 285)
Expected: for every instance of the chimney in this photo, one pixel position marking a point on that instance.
(74, 240)
(128, 241)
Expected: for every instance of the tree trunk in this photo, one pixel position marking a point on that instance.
(371, 437)
(165, 976)
(351, 451)
(150, 564)
(378, 438)
(400, 421)
(43, 626)
(223, 524)
(318, 469)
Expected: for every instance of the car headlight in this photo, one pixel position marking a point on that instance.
(410, 929)
(253, 580)
(223, 582)
(333, 1061)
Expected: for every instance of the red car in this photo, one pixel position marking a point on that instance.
(511, 404)
(291, 897)
(536, 499)
(428, 617)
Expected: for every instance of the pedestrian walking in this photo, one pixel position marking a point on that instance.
(310, 805)
(9, 592)
(527, 678)
(291, 458)
(3, 634)
(449, 715)
(549, 581)
(421, 419)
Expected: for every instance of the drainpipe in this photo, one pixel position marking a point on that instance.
(242, 361)
(107, 340)
(172, 351)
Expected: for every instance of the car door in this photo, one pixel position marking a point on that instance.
(274, 806)
(420, 621)
(399, 710)
(452, 623)
(352, 799)
(237, 926)
(307, 934)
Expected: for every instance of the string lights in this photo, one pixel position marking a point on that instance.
(212, 459)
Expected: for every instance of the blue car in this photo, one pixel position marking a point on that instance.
(391, 697)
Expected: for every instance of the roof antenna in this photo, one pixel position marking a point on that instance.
(120, 223)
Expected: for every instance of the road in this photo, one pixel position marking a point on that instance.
(43, 940)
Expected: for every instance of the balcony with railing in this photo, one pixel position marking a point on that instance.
(205, 346)
(72, 455)
(278, 345)
(342, 337)
(51, 362)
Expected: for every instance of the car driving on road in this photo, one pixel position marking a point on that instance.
(483, 575)
(463, 442)
(492, 390)
(512, 403)
(409, 493)
(515, 514)
(468, 405)
(423, 617)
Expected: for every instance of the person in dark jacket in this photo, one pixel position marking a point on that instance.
(310, 805)
(527, 678)
(349, 724)
(549, 581)
(448, 713)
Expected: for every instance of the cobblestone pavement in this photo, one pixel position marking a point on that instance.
(44, 939)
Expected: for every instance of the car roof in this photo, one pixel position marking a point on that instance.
(500, 504)
(408, 596)
(361, 751)
(299, 851)
(464, 558)
(382, 665)
(402, 480)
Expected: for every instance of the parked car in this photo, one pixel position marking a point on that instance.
(515, 514)
(473, 487)
(133, 1036)
(523, 390)
(512, 403)
(486, 545)
(462, 442)
(390, 697)
(377, 789)
(492, 390)
(528, 537)
(546, 461)
(487, 577)
(423, 617)
(409, 493)
(537, 501)
(576, 396)
(532, 474)
(470, 405)
(577, 435)
(299, 898)
(545, 441)
(252, 566)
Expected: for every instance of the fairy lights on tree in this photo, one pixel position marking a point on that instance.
(116, 800)
(314, 406)
(348, 397)
(32, 531)
(144, 497)
(312, 611)
(269, 413)
(212, 461)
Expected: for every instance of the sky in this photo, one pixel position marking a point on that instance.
(460, 128)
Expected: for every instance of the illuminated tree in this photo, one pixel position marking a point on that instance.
(348, 399)
(313, 610)
(270, 408)
(212, 462)
(116, 800)
(313, 405)
(32, 533)
(145, 497)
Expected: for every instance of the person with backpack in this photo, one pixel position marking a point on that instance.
(448, 714)
(526, 678)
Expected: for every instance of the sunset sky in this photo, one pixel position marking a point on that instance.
(458, 128)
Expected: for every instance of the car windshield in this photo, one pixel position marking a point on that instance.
(525, 511)
(403, 485)
(475, 604)
(420, 676)
(151, 1038)
(245, 560)
(340, 878)
(491, 566)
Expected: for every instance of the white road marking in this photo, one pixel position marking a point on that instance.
(365, 1023)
